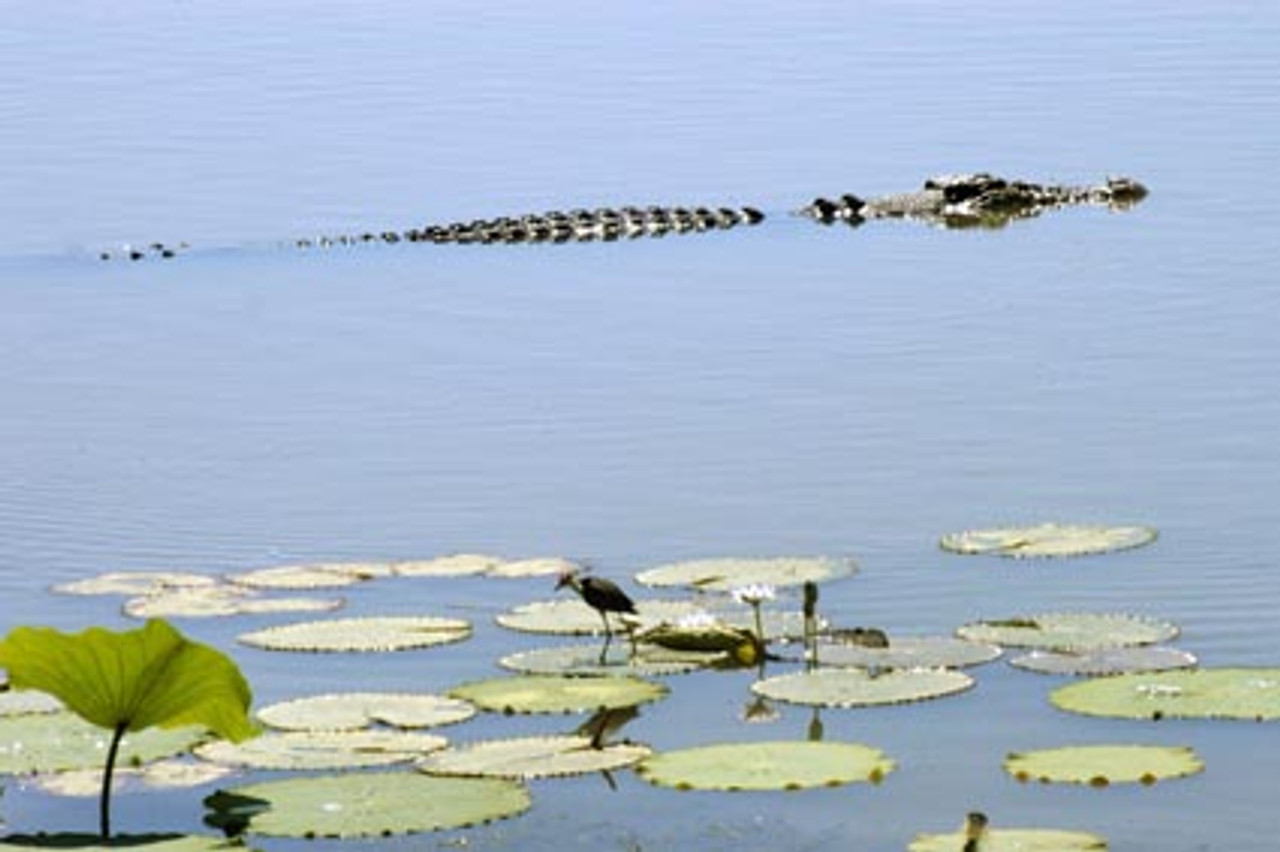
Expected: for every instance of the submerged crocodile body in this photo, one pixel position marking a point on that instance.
(951, 201)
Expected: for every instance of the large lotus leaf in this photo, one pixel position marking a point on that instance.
(21, 703)
(1013, 840)
(325, 575)
(362, 804)
(1101, 765)
(723, 575)
(1048, 540)
(354, 710)
(532, 757)
(570, 616)
(214, 601)
(1105, 661)
(860, 688)
(390, 633)
(162, 775)
(134, 583)
(782, 765)
(58, 741)
(455, 565)
(549, 566)
(323, 749)
(134, 679)
(1070, 631)
(909, 652)
(1225, 693)
(619, 659)
(550, 694)
(141, 842)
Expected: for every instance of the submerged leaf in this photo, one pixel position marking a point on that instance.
(532, 757)
(860, 688)
(215, 601)
(165, 774)
(134, 583)
(586, 660)
(1100, 765)
(1070, 631)
(1105, 661)
(909, 652)
(1048, 540)
(455, 565)
(323, 749)
(782, 765)
(1222, 693)
(324, 575)
(354, 710)
(550, 694)
(724, 574)
(390, 633)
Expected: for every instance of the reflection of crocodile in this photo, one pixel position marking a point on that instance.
(956, 201)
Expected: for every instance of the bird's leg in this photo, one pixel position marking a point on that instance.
(608, 633)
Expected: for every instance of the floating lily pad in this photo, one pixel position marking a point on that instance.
(1013, 840)
(541, 567)
(570, 616)
(1069, 631)
(860, 688)
(455, 565)
(214, 601)
(324, 575)
(379, 804)
(19, 702)
(550, 694)
(134, 583)
(49, 742)
(161, 775)
(1224, 693)
(1101, 765)
(584, 660)
(1048, 540)
(355, 710)
(766, 766)
(391, 633)
(1105, 661)
(532, 757)
(723, 575)
(909, 652)
(322, 749)
(142, 842)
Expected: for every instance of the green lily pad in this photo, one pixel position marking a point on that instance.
(50, 742)
(1222, 693)
(390, 633)
(782, 765)
(215, 601)
(1105, 661)
(1013, 840)
(322, 749)
(169, 774)
(142, 842)
(455, 565)
(1048, 540)
(551, 566)
(532, 757)
(20, 702)
(723, 575)
(355, 710)
(860, 688)
(324, 575)
(1100, 765)
(1070, 631)
(584, 660)
(550, 694)
(570, 616)
(362, 804)
(909, 652)
(134, 583)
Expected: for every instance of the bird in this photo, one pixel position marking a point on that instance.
(600, 594)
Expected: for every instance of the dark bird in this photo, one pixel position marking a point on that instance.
(600, 594)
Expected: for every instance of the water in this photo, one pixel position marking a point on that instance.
(785, 389)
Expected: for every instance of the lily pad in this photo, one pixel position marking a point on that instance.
(365, 804)
(551, 694)
(455, 565)
(909, 652)
(50, 742)
(355, 710)
(1221, 693)
(390, 633)
(1048, 540)
(142, 842)
(1101, 765)
(1105, 661)
(551, 566)
(570, 616)
(532, 757)
(725, 574)
(324, 575)
(1013, 840)
(134, 583)
(214, 601)
(1070, 631)
(784, 765)
(322, 749)
(166, 774)
(585, 660)
(860, 688)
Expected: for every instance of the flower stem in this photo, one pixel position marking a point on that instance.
(104, 802)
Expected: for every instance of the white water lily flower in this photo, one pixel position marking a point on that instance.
(754, 594)
(696, 620)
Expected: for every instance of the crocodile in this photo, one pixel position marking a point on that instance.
(949, 201)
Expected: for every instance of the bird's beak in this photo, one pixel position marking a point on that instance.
(562, 582)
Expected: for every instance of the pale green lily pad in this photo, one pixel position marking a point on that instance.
(355, 710)
(1013, 840)
(162, 775)
(532, 757)
(362, 804)
(550, 566)
(1065, 631)
(51, 742)
(455, 565)
(782, 765)
(584, 660)
(726, 574)
(135, 583)
(1100, 765)
(20, 702)
(570, 616)
(141, 842)
(909, 652)
(1222, 693)
(322, 749)
(1106, 661)
(390, 633)
(218, 601)
(1043, 540)
(860, 688)
(323, 575)
(551, 694)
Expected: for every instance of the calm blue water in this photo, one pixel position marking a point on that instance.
(785, 389)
